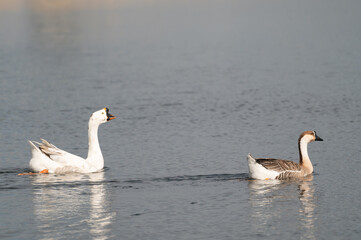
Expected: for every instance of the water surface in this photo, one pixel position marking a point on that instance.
(196, 86)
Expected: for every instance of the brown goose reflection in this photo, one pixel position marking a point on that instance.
(307, 211)
(73, 204)
(276, 205)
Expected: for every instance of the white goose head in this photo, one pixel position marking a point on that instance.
(309, 136)
(101, 116)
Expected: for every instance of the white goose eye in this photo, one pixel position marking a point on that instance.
(102, 112)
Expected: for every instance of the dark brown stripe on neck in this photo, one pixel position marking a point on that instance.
(299, 151)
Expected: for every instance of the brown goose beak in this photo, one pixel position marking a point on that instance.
(318, 138)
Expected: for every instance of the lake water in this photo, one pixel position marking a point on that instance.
(196, 86)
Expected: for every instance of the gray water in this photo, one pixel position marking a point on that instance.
(196, 86)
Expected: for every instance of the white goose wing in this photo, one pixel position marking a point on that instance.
(58, 155)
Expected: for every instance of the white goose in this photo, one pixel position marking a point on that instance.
(47, 158)
(268, 168)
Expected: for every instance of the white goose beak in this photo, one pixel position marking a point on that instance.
(109, 116)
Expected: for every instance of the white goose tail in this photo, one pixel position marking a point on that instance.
(39, 161)
(34, 149)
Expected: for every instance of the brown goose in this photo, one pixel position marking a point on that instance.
(270, 168)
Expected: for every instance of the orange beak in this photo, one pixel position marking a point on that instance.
(109, 116)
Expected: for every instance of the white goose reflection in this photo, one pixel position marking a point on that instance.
(100, 217)
(273, 202)
(74, 205)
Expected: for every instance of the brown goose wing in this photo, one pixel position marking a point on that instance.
(279, 165)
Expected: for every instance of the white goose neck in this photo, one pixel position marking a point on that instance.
(94, 153)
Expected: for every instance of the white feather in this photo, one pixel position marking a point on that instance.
(257, 171)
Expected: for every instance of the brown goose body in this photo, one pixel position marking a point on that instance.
(271, 168)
